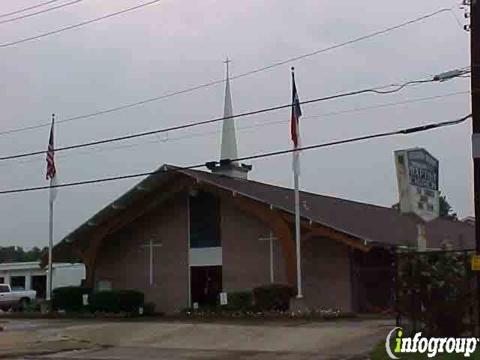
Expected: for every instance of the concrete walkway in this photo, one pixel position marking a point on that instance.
(181, 340)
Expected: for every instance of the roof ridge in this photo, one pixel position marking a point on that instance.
(301, 191)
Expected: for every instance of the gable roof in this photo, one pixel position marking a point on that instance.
(374, 224)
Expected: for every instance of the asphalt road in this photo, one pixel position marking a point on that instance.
(112, 340)
(121, 353)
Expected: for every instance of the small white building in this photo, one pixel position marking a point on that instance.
(30, 276)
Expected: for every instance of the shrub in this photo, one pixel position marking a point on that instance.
(31, 306)
(131, 300)
(105, 301)
(240, 300)
(115, 301)
(273, 297)
(149, 308)
(435, 291)
(69, 298)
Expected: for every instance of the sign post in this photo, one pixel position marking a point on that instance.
(223, 298)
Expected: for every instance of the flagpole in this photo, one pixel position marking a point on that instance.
(50, 245)
(50, 224)
(297, 231)
(296, 168)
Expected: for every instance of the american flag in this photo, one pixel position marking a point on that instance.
(51, 170)
(296, 113)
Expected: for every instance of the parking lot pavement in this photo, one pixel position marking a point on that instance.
(26, 337)
(97, 340)
(124, 353)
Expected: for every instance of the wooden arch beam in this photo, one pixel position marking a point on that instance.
(322, 231)
(89, 252)
(312, 229)
(273, 219)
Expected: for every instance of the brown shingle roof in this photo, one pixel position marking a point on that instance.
(371, 223)
(368, 222)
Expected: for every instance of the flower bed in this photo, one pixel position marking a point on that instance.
(220, 313)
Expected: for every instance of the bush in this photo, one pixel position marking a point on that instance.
(273, 297)
(69, 298)
(149, 308)
(131, 300)
(240, 300)
(435, 291)
(31, 306)
(105, 301)
(115, 301)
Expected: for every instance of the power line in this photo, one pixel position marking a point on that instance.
(275, 122)
(266, 123)
(216, 82)
(78, 25)
(385, 105)
(28, 8)
(406, 131)
(40, 12)
(349, 42)
(398, 87)
(457, 20)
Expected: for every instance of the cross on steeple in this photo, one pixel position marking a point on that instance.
(229, 136)
(227, 64)
(228, 166)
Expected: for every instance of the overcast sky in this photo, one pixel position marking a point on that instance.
(176, 44)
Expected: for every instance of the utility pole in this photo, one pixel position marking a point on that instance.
(475, 85)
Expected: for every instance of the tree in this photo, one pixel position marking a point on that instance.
(17, 254)
(442, 295)
(445, 211)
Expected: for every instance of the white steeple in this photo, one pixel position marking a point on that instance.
(229, 137)
(229, 149)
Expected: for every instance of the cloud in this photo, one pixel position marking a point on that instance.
(174, 45)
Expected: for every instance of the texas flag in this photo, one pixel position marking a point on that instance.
(295, 125)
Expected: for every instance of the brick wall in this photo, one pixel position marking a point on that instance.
(246, 260)
(326, 274)
(125, 263)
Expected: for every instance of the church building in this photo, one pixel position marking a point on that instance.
(182, 236)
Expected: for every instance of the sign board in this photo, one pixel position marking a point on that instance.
(422, 169)
(476, 263)
(417, 176)
(223, 298)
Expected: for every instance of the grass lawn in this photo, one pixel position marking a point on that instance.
(379, 353)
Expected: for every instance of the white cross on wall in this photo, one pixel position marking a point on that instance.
(271, 239)
(151, 246)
